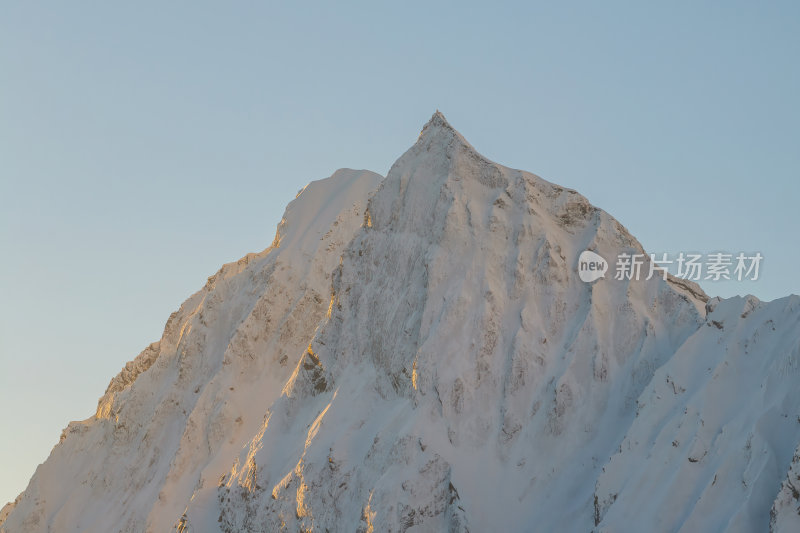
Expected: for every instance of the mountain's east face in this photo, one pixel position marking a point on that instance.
(417, 352)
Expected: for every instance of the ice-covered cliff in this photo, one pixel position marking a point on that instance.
(418, 353)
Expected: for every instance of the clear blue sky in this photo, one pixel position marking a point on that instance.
(144, 144)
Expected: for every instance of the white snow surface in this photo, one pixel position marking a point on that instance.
(418, 353)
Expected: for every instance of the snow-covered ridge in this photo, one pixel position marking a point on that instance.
(418, 353)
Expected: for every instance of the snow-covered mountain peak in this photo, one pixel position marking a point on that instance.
(437, 120)
(443, 183)
(418, 353)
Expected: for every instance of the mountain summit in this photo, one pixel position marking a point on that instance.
(417, 352)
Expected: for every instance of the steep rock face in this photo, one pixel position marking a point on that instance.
(428, 359)
(785, 512)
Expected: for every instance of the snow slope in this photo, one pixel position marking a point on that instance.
(175, 417)
(418, 353)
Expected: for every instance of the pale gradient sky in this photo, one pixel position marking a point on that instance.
(144, 145)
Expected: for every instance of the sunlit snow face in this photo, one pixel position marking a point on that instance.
(591, 266)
